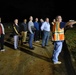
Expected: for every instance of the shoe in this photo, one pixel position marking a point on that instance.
(24, 42)
(46, 45)
(31, 48)
(15, 48)
(2, 50)
(43, 47)
(36, 41)
(59, 62)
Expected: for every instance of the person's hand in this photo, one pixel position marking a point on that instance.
(71, 26)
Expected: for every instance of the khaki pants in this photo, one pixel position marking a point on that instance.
(24, 36)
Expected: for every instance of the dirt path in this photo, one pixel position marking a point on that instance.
(30, 62)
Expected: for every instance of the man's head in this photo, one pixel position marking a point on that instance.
(54, 20)
(16, 21)
(41, 20)
(47, 19)
(59, 18)
(31, 18)
(25, 20)
(36, 19)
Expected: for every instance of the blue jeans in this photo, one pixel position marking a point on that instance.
(45, 38)
(16, 38)
(57, 50)
(31, 38)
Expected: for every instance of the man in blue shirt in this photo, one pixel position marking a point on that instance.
(36, 25)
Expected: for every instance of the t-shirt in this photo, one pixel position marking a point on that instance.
(62, 24)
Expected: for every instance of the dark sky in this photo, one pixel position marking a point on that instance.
(10, 9)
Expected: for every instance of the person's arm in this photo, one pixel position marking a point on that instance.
(3, 29)
(15, 30)
(52, 23)
(69, 23)
(29, 28)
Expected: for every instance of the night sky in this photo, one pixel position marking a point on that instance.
(11, 9)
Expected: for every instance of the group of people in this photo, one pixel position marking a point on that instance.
(39, 31)
(35, 30)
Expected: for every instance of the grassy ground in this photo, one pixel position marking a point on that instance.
(70, 37)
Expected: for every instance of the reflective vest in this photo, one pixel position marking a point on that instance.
(57, 32)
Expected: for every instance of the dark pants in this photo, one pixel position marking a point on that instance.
(36, 36)
(40, 34)
(1, 41)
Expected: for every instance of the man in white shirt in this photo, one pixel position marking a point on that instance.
(46, 32)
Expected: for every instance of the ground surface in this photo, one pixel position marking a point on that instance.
(35, 62)
(30, 62)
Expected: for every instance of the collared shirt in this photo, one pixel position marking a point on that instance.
(45, 26)
(24, 27)
(36, 25)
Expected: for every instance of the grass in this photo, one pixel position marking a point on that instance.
(70, 37)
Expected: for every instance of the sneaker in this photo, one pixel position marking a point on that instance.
(36, 41)
(2, 50)
(59, 62)
(31, 48)
(46, 45)
(24, 42)
(15, 49)
(43, 47)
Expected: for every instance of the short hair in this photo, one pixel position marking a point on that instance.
(57, 17)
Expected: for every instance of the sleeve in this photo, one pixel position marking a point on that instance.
(62, 24)
(3, 29)
(15, 30)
